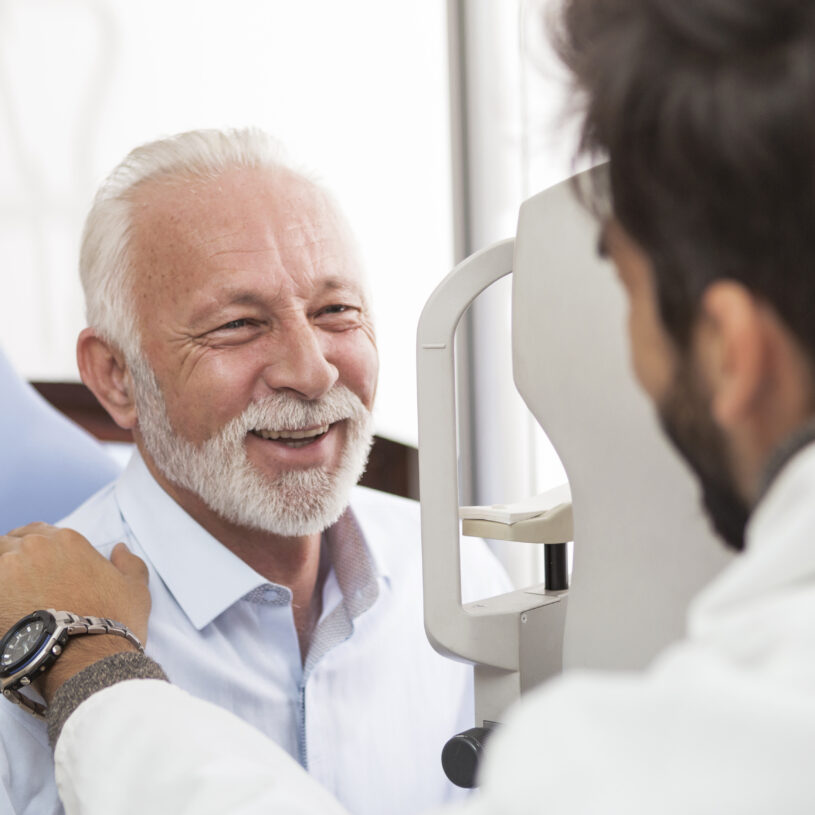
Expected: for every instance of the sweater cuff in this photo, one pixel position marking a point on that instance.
(102, 674)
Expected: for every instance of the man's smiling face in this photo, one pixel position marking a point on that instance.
(247, 289)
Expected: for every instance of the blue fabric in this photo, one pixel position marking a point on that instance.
(48, 464)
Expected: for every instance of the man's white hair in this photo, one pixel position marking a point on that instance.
(105, 262)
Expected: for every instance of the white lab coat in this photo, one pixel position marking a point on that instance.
(724, 722)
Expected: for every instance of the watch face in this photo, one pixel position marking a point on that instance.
(21, 644)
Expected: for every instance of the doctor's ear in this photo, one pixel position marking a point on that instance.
(736, 345)
(103, 369)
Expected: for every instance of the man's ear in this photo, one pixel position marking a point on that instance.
(735, 345)
(103, 370)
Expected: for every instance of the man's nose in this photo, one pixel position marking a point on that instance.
(300, 364)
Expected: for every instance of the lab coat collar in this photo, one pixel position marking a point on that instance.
(785, 452)
(204, 577)
(785, 517)
(780, 545)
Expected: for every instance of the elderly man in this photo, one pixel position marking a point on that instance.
(230, 329)
(705, 109)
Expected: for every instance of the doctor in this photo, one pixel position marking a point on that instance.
(706, 111)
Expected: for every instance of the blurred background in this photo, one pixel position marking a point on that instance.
(430, 121)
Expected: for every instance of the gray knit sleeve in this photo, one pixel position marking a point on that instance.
(96, 677)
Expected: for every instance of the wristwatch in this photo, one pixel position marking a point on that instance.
(33, 644)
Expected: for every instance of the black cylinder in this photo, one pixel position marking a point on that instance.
(461, 756)
(555, 567)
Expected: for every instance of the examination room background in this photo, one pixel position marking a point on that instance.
(430, 121)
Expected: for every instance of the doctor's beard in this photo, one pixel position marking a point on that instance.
(685, 415)
(218, 471)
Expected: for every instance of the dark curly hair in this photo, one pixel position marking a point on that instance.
(706, 111)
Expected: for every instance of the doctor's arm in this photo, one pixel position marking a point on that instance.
(126, 741)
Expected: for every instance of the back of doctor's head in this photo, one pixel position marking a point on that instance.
(706, 110)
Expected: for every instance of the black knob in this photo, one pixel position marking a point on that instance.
(462, 754)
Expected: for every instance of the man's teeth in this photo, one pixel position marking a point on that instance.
(274, 435)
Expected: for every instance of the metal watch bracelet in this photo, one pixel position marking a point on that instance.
(70, 624)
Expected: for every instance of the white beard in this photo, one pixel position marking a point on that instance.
(218, 471)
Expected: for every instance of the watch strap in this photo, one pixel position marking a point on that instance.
(74, 624)
(69, 624)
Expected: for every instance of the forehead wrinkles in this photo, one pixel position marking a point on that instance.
(347, 247)
(305, 246)
(245, 212)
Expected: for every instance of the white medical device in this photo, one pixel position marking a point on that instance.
(642, 547)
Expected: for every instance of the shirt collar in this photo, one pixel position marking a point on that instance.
(204, 577)
(375, 527)
(353, 564)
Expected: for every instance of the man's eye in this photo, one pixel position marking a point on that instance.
(234, 324)
(337, 308)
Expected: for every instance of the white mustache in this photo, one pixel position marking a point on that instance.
(283, 411)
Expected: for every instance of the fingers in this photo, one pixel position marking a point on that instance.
(45, 567)
(135, 602)
(10, 542)
(129, 564)
(41, 547)
(35, 528)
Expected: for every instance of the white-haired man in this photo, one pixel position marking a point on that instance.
(230, 330)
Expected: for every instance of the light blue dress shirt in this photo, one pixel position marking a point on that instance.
(369, 711)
